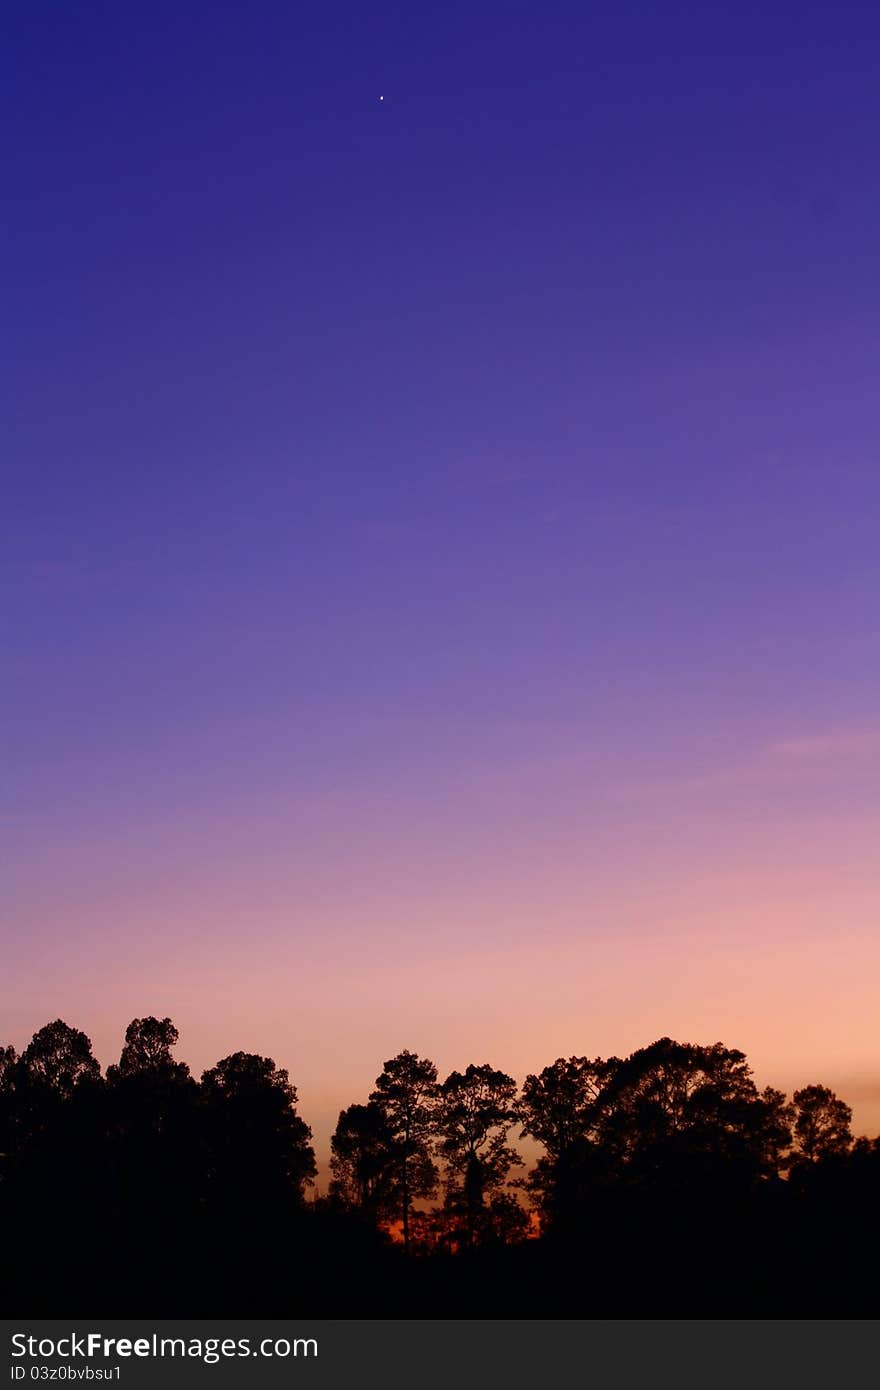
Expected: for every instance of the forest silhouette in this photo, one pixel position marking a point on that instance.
(665, 1184)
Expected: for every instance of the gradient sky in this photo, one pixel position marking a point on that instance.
(440, 535)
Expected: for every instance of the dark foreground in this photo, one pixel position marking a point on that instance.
(774, 1257)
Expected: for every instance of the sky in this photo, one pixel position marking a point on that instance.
(439, 541)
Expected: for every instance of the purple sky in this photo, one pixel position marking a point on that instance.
(440, 535)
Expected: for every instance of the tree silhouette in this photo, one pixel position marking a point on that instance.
(560, 1108)
(148, 1044)
(184, 1197)
(505, 1221)
(260, 1148)
(8, 1061)
(475, 1111)
(681, 1114)
(406, 1093)
(821, 1124)
(672, 1114)
(155, 1134)
(59, 1058)
(55, 1067)
(770, 1120)
(364, 1161)
(9, 1066)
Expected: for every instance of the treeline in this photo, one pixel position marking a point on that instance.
(173, 1196)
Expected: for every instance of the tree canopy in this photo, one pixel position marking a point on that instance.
(671, 1148)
